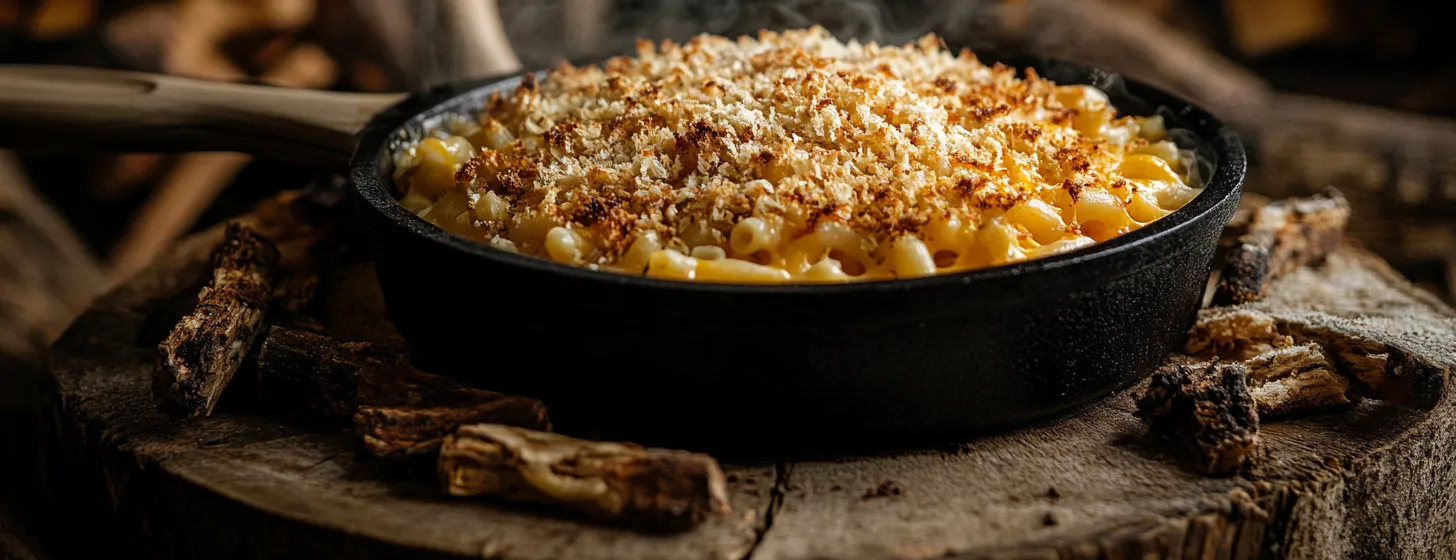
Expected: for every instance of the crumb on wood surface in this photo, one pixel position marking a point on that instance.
(884, 489)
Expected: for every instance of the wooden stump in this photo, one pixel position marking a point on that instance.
(1374, 481)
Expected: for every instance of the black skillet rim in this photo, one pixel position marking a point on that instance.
(378, 139)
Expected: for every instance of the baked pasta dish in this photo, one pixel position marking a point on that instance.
(795, 157)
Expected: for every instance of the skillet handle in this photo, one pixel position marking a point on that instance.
(59, 108)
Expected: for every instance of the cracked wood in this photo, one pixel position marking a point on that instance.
(200, 356)
(1330, 486)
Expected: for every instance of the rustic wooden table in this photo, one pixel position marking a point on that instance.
(1374, 481)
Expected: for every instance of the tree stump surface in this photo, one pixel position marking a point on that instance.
(1372, 481)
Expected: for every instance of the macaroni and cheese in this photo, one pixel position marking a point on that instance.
(795, 157)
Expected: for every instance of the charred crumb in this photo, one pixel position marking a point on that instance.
(647, 489)
(884, 489)
(1052, 493)
(1049, 520)
(1206, 408)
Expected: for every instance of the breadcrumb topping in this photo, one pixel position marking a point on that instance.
(795, 128)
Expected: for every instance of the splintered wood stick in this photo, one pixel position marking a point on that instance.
(1377, 369)
(650, 489)
(1301, 342)
(1281, 237)
(1207, 408)
(398, 410)
(1295, 380)
(204, 350)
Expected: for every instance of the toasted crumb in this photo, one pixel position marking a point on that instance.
(796, 128)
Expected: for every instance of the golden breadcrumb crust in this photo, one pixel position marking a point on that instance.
(794, 127)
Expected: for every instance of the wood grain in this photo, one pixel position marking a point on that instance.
(1090, 485)
(65, 108)
(1348, 478)
(209, 487)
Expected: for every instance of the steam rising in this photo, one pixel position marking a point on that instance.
(545, 32)
(541, 30)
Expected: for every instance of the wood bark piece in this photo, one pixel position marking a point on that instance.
(206, 348)
(1281, 237)
(1349, 483)
(1208, 408)
(1374, 361)
(398, 410)
(1296, 380)
(650, 489)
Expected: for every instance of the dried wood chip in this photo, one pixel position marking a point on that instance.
(398, 409)
(205, 349)
(1295, 380)
(1207, 408)
(1282, 343)
(1281, 237)
(650, 489)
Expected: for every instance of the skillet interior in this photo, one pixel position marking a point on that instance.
(868, 363)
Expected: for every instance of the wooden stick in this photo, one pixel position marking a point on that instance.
(650, 489)
(1234, 334)
(397, 409)
(205, 349)
(1282, 236)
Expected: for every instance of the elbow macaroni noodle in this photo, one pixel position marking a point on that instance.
(795, 158)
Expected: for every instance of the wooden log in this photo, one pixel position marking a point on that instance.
(200, 356)
(649, 489)
(398, 410)
(1329, 487)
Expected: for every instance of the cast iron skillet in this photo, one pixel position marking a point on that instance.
(716, 366)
